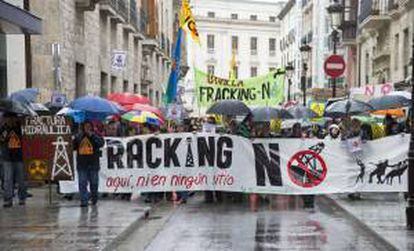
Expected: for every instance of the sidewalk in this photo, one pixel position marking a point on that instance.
(64, 225)
(384, 213)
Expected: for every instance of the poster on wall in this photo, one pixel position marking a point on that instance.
(47, 148)
(265, 90)
(118, 60)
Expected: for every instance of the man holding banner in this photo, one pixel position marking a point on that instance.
(88, 145)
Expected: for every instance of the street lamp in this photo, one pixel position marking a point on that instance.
(289, 72)
(335, 10)
(305, 50)
(409, 211)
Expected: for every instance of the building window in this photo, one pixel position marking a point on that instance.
(367, 62)
(210, 69)
(113, 84)
(104, 84)
(397, 50)
(272, 46)
(211, 14)
(253, 71)
(234, 16)
(210, 43)
(253, 17)
(272, 19)
(136, 88)
(80, 80)
(234, 44)
(125, 86)
(406, 52)
(253, 46)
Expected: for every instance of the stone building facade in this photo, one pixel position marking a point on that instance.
(80, 37)
(384, 41)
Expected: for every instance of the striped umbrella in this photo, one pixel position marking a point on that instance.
(142, 117)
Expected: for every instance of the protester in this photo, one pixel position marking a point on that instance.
(209, 196)
(13, 169)
(334, 132)
(88, 145)
(296, 131)
(308, 200)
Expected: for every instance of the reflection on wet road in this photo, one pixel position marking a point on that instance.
(280, 225)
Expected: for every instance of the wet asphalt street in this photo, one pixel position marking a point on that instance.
(281, 224)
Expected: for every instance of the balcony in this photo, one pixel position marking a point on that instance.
(86, 5)
(398, 7)
(349, 33)
(115, 8)
(373, 14)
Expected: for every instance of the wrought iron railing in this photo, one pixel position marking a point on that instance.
(120, 6)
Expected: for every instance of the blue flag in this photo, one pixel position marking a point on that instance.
(171, 93)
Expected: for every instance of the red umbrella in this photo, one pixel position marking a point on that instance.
(146, 108)
(128, 98)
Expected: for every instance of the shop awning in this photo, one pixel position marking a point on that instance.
(14, 20)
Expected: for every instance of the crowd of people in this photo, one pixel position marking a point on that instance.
(88, 140)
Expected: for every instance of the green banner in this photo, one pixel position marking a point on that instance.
(265, 90)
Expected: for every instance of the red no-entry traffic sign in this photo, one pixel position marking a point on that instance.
(334, 66)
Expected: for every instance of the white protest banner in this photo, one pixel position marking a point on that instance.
(187, 161)
(371, 91)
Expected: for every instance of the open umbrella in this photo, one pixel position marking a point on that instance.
(144, 108)
(11, 106)
(128, 98)
(142, 117)
(264, 114)
(302, 112)
(27, 96)
(229, 108)
(393, 101)
(347, 107)
(94, 104)
(76, 115)
(40, 108)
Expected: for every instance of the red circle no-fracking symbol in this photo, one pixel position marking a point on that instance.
(307, 169)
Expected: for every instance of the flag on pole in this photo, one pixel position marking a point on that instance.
(233, 64)
(171, 92)
(187, 21)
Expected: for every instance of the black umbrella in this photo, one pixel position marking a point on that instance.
(265, 114)
(11, 106)
(302, 112)
(389, 102)
(346, 107)
(229, 108)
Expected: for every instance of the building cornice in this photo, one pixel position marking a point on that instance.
(252, 2)
(241, 22)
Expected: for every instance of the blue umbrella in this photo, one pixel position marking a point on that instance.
(77, 116)
(95, 105)
(26, 96)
